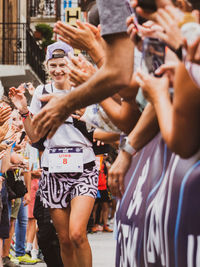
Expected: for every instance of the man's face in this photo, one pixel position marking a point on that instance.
(58, 69)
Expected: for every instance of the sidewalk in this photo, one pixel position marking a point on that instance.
(103, 250)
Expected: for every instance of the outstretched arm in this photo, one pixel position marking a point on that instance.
(144, 131)
(19, 100)
(114, 75)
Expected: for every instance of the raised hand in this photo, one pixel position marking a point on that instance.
(5, 113)
(169, 69)
(85, 37)
(81, 70)
(2, 154)
(3, 130)
(18, 98)
(51, 116)
(153, 88)
(147, 29)
(81, 37)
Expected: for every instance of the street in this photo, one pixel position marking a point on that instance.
(103, 249)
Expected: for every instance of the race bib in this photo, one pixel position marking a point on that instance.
(62, 159)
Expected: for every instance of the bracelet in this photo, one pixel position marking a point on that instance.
(178, 52)
(24, 115)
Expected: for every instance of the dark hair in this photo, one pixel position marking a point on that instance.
(93, 14)
(195, 4)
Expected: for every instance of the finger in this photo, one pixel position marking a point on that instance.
(161, 35)
(39, 120)
(74, 81)
(5, 116)
(164, 15)
(46, 126)
(81, 25)
(140, 81)
(161, 70)
(134, 3)
(75, 116)
(65, 40)
(81, 56)
(66, 28)
(146, 14)
(94, 29)
(131, 30)
(52, 131)
(173, 12)
(4, 110)
(114, 182)
(75, 61)
(73, 74)
(73, 84)
(129, 20)
(46, 97)
(121, 184)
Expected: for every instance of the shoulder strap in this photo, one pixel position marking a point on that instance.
(81, 126)
(44, 91)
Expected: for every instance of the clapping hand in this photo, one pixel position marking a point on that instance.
(18, 98)
(80, 70)
(5, 112)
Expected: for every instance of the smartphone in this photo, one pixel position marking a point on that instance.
(7, 142)
(153, 55)
(148, 4)
(132, 13)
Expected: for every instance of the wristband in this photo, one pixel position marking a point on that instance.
(126, 146)
(178, 52)
(24, 115)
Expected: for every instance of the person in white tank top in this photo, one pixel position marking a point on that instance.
(70, 179)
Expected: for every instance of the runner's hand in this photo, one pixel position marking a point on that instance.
(51, 116)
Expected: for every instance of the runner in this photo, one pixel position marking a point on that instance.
(69, 180)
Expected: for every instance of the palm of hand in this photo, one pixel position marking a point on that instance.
(19, 101)
(3, 130)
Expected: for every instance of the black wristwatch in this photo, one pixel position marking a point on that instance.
(126, 146)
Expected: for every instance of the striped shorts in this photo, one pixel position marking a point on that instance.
(58, 189)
